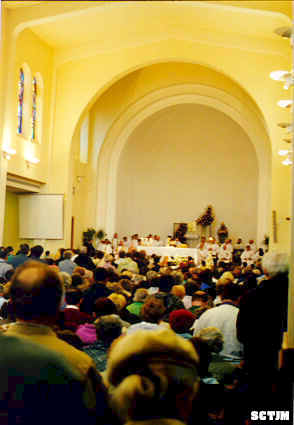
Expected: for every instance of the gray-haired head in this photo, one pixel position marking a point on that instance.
(140, 295)
(275, 262)
(213, 338)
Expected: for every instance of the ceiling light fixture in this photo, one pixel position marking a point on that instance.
(285, 103)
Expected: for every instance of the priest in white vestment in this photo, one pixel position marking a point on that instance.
(248, 256)
(224, 254)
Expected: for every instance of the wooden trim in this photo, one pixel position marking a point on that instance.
(26, 179)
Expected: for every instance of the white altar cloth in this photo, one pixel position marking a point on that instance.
(169, 251)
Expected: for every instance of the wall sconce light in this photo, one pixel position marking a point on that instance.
(8, 152)
(284, 152)
(284, 76)
(285, 103)
(31, 160)
(287, 126)
(287, 140)
(287, 161)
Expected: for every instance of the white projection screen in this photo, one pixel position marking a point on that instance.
(41, 216)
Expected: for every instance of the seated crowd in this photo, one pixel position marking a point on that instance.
(94, 337)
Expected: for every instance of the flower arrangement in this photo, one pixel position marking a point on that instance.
(207, 218)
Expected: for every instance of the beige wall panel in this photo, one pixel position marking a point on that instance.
(180, 160)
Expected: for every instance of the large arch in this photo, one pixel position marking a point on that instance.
(187, 93)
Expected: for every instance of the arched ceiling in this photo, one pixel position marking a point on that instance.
(111, 24)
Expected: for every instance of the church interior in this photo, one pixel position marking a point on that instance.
(136, 115)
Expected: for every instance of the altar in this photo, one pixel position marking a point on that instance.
(169, 251)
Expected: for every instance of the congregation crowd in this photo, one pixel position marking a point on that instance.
(117, 336)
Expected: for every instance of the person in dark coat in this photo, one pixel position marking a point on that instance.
(21, 257)
(98, 290)
(261, 321)
(84, 259)
(38, 386)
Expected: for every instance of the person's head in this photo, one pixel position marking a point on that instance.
(231, 292)
(237, 271)
(76, 280)
(84, 250)
(207, 341)
(100, 274)
(200, 298)
(36, 292)
(108, 328)
(37, 251)
(191, 287)
(179, 291)
(181, 320)
(80, 270)
(274, 263)
(24, 249)
(3, 254)
(141, 295)
(104, 307)
(166, 282)
(213, 338)
(119, 300)
(153, 374)
(67, 255)
(122, 254)
(221, 284)
(227, 276)
(73, 297)
(99, 255)
(153, 309)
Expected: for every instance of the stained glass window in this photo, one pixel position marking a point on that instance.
(34, 108)
(20, 101)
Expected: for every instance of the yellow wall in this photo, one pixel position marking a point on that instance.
(11, 224)
(30, 50)
(251, 70)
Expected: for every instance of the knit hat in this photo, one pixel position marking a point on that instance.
(132, 352)
(181, 320)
